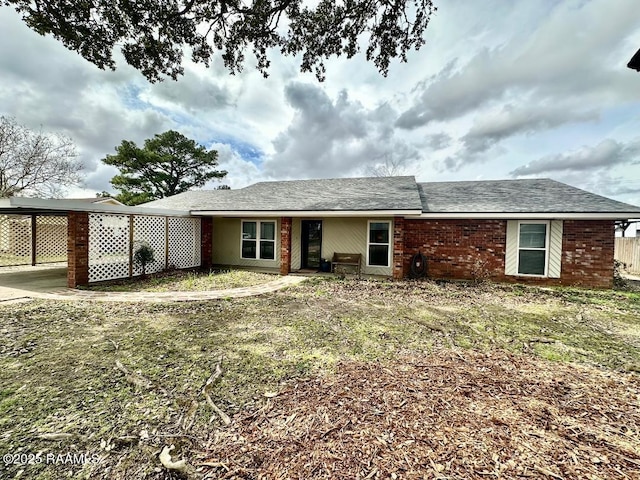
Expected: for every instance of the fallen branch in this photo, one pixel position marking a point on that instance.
(60, 436)
(190, 417)
(223, 416)
(165, 459)
(134, 378)
(541, 340)
(217, 373)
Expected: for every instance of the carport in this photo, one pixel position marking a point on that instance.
(97, 241)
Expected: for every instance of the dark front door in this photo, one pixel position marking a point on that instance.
(311, 243)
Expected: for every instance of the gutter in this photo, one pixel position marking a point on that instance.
(308, 213)
(530, 215)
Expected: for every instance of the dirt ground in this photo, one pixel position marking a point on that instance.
(450, 415)
(329, 379)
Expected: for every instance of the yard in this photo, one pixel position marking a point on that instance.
(329, 379)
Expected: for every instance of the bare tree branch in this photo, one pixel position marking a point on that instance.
(35, 163)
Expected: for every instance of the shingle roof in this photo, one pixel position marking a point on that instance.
(399, 193)
(366, 194)
(515, 196)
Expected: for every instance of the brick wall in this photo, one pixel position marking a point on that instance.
(77, 249)
(587, 253)
(466, 249)
(285, 245)
(206, 242)
(456, 248)
(398, 247)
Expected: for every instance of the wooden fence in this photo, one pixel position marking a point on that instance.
(628, 251)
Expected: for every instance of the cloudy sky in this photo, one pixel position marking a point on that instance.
(499, 91)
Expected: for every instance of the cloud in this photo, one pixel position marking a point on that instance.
(438, 141)
(606, 154)
(564, 69)
(332, 138)
(570, 55)
(511, 120)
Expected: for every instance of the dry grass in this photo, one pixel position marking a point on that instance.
(187, 281)
(58, 375)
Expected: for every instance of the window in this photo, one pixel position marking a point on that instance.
(258, 240)
(532, 248)
(378, 245)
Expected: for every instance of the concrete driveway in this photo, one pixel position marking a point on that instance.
(20, 282)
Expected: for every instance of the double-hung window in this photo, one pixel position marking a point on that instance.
(379, 245)
(533, 247)
(259, 240)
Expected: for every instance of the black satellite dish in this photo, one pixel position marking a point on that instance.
(634, 63)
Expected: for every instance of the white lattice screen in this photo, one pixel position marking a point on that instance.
(110, 241)
(184, 242)
(108, 246)
(51, 239)
(15, 240)
(152, 231)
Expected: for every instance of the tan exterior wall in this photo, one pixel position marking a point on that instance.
(296, 244)
(226, 244)
(342, 235)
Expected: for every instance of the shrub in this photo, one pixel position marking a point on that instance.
(144, 256)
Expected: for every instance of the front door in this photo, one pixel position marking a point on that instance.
(311, 243)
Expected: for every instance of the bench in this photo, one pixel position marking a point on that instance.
(348, 259)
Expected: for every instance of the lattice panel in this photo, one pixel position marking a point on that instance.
(108, 246)
(51, 239)
(150, 230)
(184, 242)
(15, 240)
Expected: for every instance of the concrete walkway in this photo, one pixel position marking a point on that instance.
(52, 291)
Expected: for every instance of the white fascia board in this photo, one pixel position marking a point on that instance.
(70, 205)
(531, 216)
(308, 213)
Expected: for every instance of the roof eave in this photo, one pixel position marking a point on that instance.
(307, 213)
(531, 215)
(60, 205)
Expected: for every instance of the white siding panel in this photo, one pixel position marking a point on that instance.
(555, 249)
(511, 257)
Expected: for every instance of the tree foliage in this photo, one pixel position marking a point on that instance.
(168, 164)
(35, 163)
(152, 34)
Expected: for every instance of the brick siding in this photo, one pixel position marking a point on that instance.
(398, 247)
(206, 242)
(587, 253)
(468, 249)
(285, 245)
(77, 249)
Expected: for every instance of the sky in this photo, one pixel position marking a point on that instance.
(500, 90)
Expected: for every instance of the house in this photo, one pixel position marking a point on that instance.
(98, 200)
(533, 231)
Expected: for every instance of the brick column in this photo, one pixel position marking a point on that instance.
(285, 245)
(398, 248)
(206, 242)
(77, 249)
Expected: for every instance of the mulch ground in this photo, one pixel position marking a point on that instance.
(451, 415)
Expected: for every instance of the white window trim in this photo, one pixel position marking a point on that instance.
(546, 247)
(258, 239)
(390, 244)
